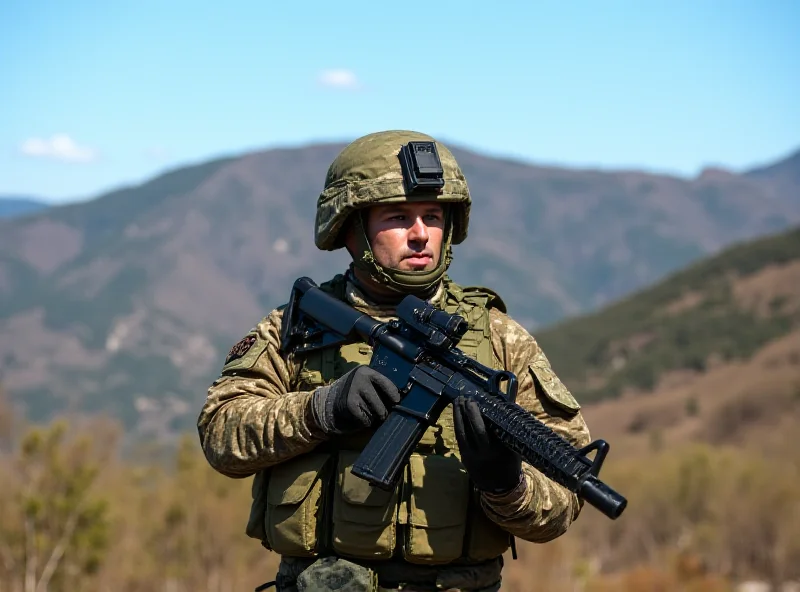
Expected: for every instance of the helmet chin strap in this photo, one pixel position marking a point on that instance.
(405, 282)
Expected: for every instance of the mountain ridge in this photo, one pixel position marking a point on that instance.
(141, 291)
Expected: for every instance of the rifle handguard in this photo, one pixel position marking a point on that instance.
(544, 449)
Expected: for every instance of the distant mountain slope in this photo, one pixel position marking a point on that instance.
(14, 205)
(128, 303)
(720, 310)
(782, 177)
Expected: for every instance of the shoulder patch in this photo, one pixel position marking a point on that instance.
(241, 348)
(552, 387)
(245, 353)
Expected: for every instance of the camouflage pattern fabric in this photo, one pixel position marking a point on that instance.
(334, 573)
(253, 418)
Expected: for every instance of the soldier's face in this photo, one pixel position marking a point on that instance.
(406, 236)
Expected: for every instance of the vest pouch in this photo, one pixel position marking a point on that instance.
(485, 539)
(294, 508)
(438, 502)
(364, 517)
(255, 524)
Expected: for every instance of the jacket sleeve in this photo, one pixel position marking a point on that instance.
(251, 420)
(538, 509)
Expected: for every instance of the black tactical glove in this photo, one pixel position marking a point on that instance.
(355, 401)
(491, 466)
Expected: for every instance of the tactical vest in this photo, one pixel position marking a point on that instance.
(313, 505)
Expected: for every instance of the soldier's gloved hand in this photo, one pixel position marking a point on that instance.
(491, 466)
(359, 399)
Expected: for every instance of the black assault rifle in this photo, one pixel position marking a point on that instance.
(418, 353)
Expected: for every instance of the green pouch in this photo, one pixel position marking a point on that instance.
(364, 517)
(439, 498)
(294, 508)
(255, 524)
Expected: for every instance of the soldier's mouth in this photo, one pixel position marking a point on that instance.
(419, 259)
(418, 263)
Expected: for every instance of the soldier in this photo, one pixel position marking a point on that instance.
(297, 422)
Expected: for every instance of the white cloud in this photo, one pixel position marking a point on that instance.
(157, 153)
(59, 147)
(345, 79)
(281, 246)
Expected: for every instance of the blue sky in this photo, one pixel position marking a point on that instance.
(101, 94)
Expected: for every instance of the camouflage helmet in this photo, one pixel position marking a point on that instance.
(367, 172)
